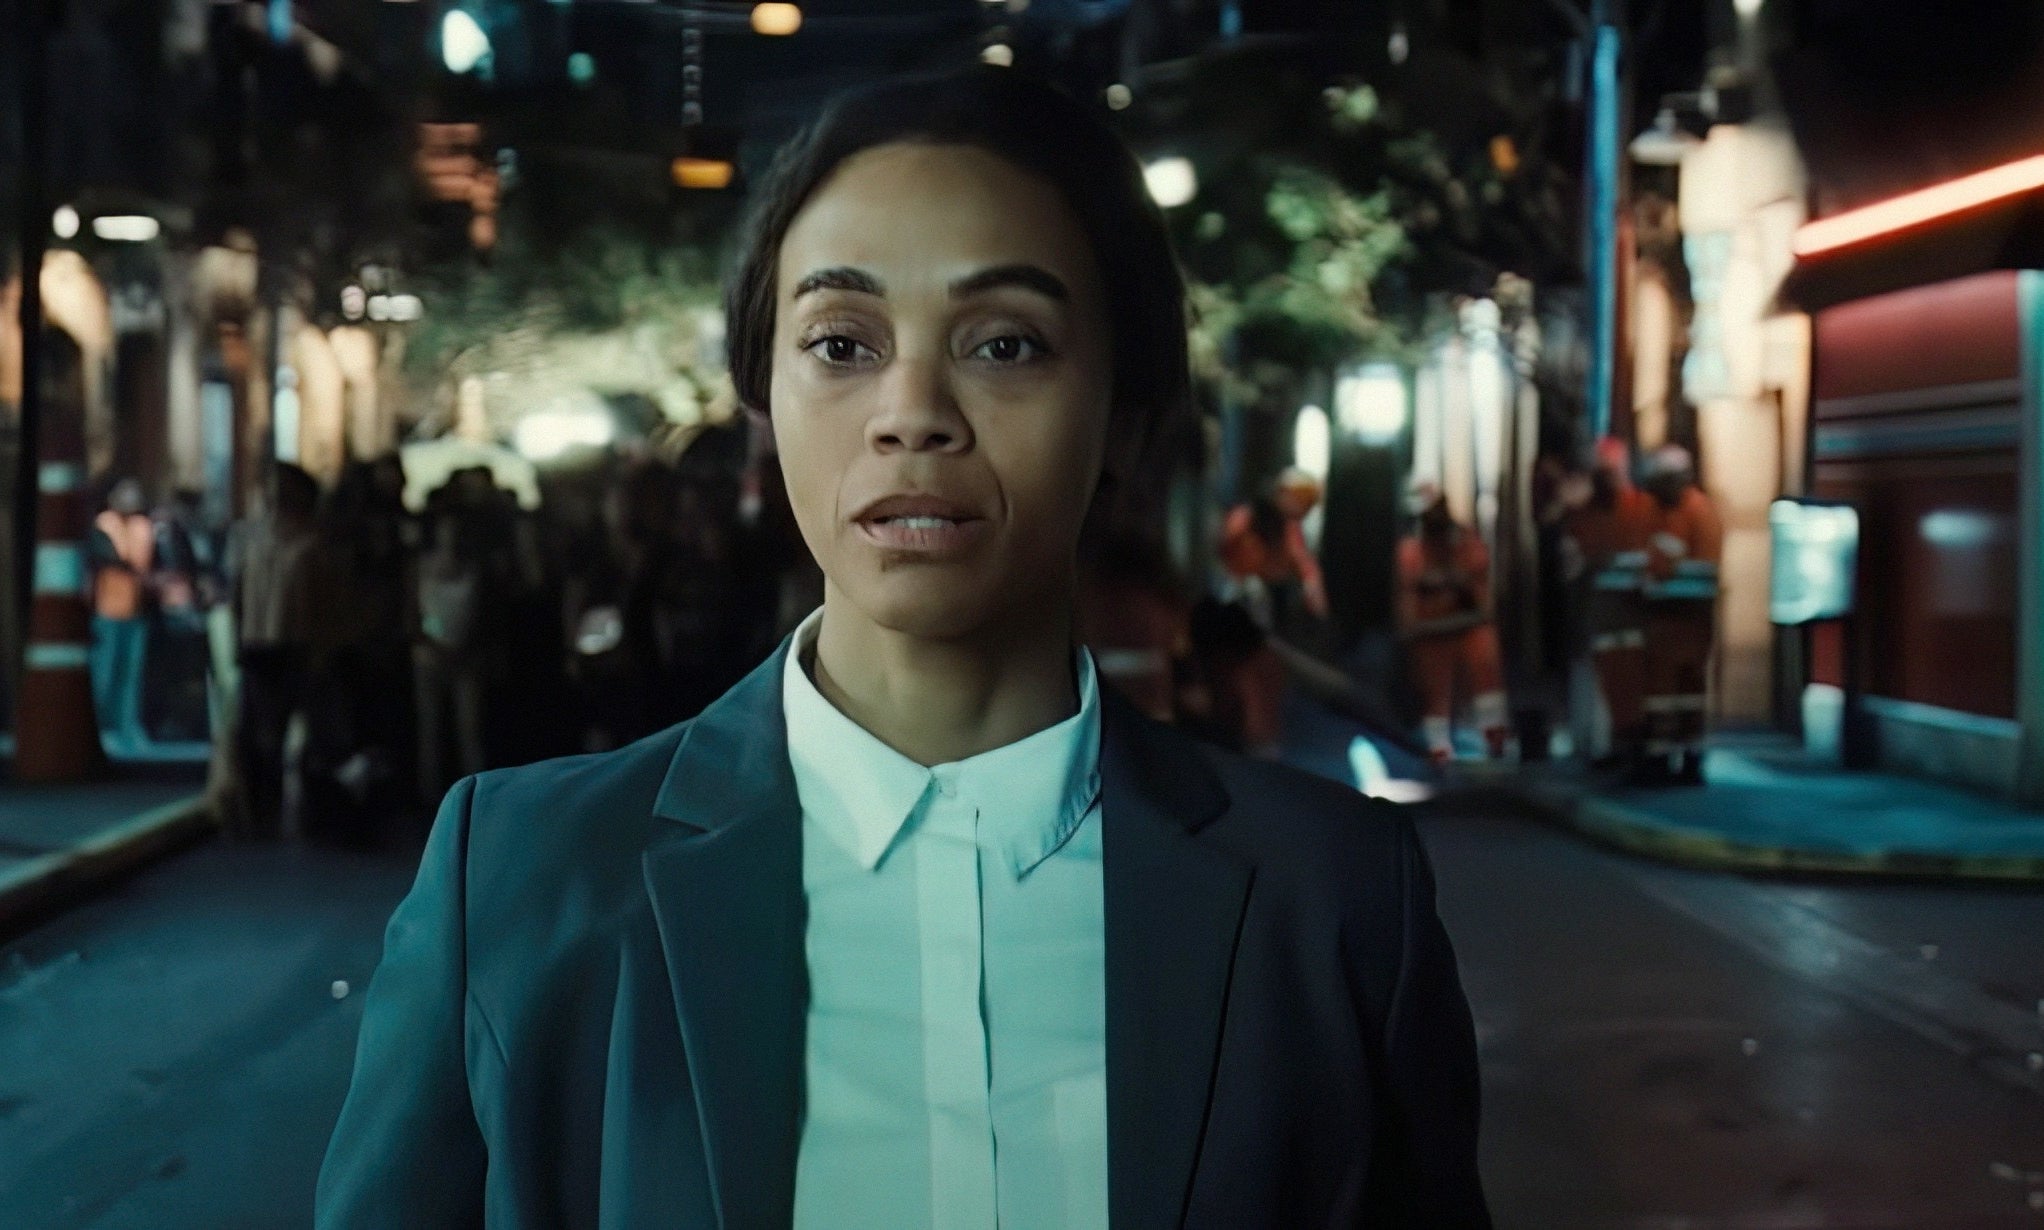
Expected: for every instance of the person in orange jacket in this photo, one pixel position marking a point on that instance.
(1608, 533)
(1685, 524)
(1263, 543)
(1681, 588)
(1445, 618)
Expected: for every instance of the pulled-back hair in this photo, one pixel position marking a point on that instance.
(1041, 130)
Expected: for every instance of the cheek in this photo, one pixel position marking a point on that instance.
(809, 471)
(1052, 465)
(812, 489)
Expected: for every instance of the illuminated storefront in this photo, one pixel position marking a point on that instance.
(1926, 418)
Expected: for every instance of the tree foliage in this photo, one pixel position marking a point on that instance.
(614, 311)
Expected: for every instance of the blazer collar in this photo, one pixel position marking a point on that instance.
(1173, 911)
(725, 883)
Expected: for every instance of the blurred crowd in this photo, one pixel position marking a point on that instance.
(351, 651)
(350, 656)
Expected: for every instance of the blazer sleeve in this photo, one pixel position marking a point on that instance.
(407, 1151)
(1424, 1172)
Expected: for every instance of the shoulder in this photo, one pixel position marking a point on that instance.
(556, 821)
(1305, 835)
(1292, 816)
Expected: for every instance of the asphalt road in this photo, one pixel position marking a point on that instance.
(1662, 1048)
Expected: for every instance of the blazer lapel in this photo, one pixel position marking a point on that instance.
(725, 882)
(1174, 908)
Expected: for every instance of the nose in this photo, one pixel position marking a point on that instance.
(919, 409)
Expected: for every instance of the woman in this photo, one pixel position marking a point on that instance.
(918, 926)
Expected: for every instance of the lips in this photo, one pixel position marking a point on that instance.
(924, 525)
(915, 505)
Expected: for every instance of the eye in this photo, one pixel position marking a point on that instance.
(839, 351)
(1012, 348)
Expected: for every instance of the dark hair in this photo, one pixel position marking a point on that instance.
(1041, 130)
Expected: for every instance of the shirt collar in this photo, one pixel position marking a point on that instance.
(1031, 794)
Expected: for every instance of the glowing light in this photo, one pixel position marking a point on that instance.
(126, 228)
(1960, 530)
(1119, 97)
(1373, 775)
(398, 309)
(776, 20)
(65, 222)
(463, 45)
(1967, 192)
(1400, 46)
(1370, 404)
(1748, 8)
(1000, 55)
(354, 302)
(286, 408)
(581, 68)
(549, 434)
(1813, 552)
(1312, 442)
(1172, 181)
(1504, 155)
(706, 173)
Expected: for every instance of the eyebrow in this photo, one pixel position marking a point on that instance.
(1027, 277)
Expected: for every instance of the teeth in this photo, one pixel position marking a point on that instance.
(923, 523)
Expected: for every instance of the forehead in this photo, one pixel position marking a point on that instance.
(908, 210)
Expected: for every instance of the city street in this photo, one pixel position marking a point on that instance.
(1663, 1048)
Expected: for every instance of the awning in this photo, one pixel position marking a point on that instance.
(2006, 234)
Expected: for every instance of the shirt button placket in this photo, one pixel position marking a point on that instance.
(961, 1118)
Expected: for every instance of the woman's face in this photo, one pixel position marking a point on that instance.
(941, 380)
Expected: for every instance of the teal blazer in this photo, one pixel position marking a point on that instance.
(591, 1004)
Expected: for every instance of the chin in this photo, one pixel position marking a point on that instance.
(924, 606)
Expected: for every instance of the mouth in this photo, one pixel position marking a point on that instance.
(922, 524)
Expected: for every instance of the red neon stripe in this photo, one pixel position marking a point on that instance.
(1968, 192)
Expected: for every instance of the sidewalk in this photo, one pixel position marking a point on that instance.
(59, 842)
(1769, 807)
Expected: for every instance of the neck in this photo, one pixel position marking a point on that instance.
(938, 701)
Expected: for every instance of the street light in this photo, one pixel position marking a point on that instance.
(64, 223)
(397, 309)
(126, 228)
(1370, 404)
(548, 435)
(1172, 181)
(463, 44)
(705, 173)
(1312, 442)
(776, 20)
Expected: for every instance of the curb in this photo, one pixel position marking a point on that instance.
(63, 876)
(1623, 827)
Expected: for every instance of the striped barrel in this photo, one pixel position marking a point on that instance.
(56, 730)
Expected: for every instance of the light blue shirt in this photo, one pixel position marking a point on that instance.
(956, 1056)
